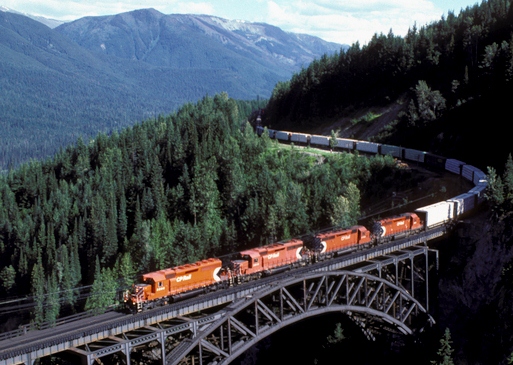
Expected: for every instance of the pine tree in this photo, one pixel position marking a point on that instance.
(38, 291)
(8, 278)
(338, 335)
(52, 303)
(103, 291)
(333, 139)
(444, 354)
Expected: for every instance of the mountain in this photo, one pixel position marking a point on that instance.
(103, 73)
(51, 23)
(195, 41)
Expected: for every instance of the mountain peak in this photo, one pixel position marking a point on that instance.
(51, 23)
(194, 40)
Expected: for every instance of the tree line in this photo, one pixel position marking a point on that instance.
(195, 184)
(438, 66)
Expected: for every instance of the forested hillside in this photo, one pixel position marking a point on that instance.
(445, 87)
(168, 191)
(100, 74)
(452, 80)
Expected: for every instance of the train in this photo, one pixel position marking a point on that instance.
(185, 281)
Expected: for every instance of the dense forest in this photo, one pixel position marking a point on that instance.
(447, 76)
(199, 182)
(451, 85)
(168, 191)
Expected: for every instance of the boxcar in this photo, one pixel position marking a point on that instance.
(473, 174)
(479, 191)
(320, 140)
(299, 138)
(454, 166)
(369, 147)
(348, 144)
(283, 136)
(463, 203)
(414, 155)
(393, 151)
(435, 160)
(436, 214)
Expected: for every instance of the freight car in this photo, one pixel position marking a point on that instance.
(161, 287)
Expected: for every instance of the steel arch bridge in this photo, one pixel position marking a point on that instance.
(384, 289)
(247, 321)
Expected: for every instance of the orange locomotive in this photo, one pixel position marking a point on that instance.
(181, 282)
(160, 287)
(396, 227)
(270, 259)
(331, 242)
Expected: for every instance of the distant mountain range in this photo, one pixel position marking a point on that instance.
(102, 73)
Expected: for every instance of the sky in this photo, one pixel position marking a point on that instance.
(342, 21)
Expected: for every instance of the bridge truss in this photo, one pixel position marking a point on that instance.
(387, 293)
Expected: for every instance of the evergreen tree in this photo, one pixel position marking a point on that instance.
(103, 291)
(8, 278)
(38, 291)
(444, 354)
(125, 271)
(338, 335)
(52, 306)
(333, 139)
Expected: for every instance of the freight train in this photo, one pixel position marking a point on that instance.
(185, 281)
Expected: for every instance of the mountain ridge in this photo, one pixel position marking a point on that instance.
(150, 35)
(54, 89)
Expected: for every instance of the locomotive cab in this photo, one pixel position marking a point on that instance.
(247, 263)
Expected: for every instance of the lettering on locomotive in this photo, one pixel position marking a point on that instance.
(345, 237)
(183, 278)
(400, 223)
(273, 255)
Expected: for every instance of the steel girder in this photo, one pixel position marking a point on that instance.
(382, 294)
(247, 321)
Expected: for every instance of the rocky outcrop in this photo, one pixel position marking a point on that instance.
(474, 298)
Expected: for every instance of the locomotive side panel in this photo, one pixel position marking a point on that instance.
(338, 240)
(192, 276)
(281, 254)
(399, 224)
(268, 257)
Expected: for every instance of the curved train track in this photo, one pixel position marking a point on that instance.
(436, 214)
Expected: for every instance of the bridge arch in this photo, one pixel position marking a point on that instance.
(247, 321)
